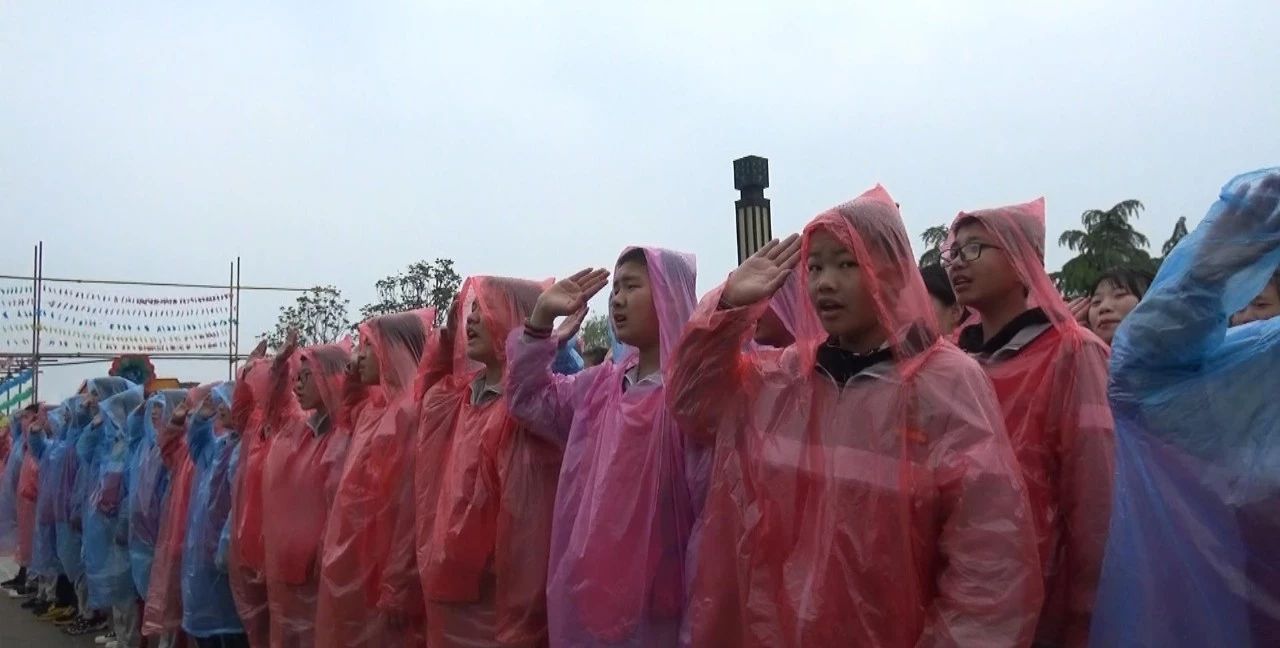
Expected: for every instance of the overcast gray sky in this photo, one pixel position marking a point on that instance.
(338, 142)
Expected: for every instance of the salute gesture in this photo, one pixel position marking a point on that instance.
(1247, 229)
(568, 296)
(763, 273)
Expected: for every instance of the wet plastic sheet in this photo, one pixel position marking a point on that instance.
(148, 488)
(627, 495)
(10, 473)
(1191, 560)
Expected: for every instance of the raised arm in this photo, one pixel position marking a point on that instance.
(1212, 273)
(708, 365)
(173, 450)
(990, 590)
(539, 399)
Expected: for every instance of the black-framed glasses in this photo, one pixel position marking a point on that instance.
(969, 252)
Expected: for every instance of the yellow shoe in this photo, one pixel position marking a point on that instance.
(67, 620)
(55, 613)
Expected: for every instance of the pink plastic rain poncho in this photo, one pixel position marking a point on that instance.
(369, 589)
(485, 492)
(162, 613)
(28, 495)
(300, 477)
(263, 401)
(13, 450)
(1053, 393)
(629, 482)
(882, 511)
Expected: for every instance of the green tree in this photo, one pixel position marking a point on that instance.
(423, 284)
(319, 316)
(1179, 231)
(1108, 240)
(595, 332)
(933, 238)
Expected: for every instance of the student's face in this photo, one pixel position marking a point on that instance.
(90, 400)
(838, 289)
(987, 279)
(157, 416)
(1111, 303)
(479, 343)
(224, 416)
(948, 316)
(635, 320)
(367, 363)
(1263, 307)
(770, 331)
(305, 388)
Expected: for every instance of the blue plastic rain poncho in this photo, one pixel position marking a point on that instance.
(104, 449)
(41, 443)
(148, 485)
(10, 470)
(207, 606)
(1192, 559)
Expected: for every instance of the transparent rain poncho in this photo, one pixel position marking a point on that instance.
(881, 508)
(207, 605)
(42, 469)
(162, 613)
(1053, 395)
(300, 478)
(148, 488)
(1193, 558)
(10, 472)
(106, 552)
(628, 490)
(262, 401)
(28, 492)
(369, 589)
(485, 490)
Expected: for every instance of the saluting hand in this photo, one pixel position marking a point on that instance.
(763, 273)
(568, 296)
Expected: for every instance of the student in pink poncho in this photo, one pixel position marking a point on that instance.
(300, 478)
(864, 492)
(629, 481)
(370, 595)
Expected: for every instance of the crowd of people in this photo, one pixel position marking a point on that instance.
(832, 448)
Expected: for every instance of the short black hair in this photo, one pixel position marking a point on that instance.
(938, 283)
(1134, 280)
(634, 255)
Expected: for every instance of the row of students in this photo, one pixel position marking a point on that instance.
(756, 468)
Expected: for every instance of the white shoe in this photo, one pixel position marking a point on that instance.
(103, 640)
(113, 644)
(13, 593)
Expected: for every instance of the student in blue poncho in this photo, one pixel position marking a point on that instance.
(1193, 557)
(208, 610)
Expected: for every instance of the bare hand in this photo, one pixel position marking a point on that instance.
(568, 296)
(97, 420)
(179, 415)
(570, 326)
(763, 273)
(259, 351)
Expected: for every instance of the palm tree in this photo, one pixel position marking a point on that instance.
(933, 238)
(1107, 240)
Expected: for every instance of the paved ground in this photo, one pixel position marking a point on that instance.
(19, 629)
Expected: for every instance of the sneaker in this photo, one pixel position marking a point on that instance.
(13, 593)
(113, 644)
(102, 640)
(88, 626)
(53, 612)
(71, 619)
(11, 583)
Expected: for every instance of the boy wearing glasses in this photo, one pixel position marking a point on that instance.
(1050, 375)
